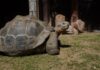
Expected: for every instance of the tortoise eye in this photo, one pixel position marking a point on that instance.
(63, 23)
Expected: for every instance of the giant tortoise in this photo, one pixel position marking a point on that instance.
(26, 35)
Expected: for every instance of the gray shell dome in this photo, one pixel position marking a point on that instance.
(22, 33)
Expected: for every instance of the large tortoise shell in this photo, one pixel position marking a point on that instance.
(22, 33)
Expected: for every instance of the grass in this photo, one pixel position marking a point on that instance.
(78, 52)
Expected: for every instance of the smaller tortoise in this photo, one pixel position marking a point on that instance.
(25, 35)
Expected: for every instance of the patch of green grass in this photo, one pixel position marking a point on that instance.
(83, 54)
(33, 62)
(92, 60)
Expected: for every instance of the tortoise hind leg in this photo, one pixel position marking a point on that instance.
(52, 44)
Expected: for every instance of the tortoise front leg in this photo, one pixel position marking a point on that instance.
(52, 44)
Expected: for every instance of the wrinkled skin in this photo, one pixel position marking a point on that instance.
(62, 27)
(60, 24)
